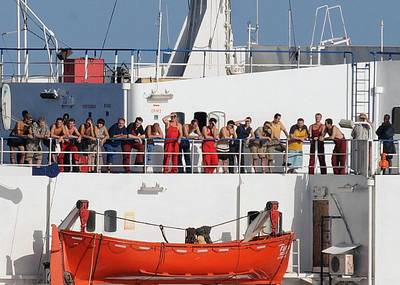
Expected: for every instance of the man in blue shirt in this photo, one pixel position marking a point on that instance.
(116, 132)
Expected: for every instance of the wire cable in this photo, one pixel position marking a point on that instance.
(170, 227)
(108, 27)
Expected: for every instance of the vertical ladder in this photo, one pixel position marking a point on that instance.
(361, 99)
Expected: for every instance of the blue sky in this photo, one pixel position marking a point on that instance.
(82, 23)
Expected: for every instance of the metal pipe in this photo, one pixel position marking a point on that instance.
(192, 155)
(50, 150)
(86, 65)
(382, 38)
(2, 66)
(298, 257)
(26, 57)
(159, 39)
(97, 155)
(251, 62)
(257, 21)
(204, 63)
(18, 40)
(298, 57)
(289, 29)
(1, 151)
(145, 155)
(371, 230)
(240, 156)
(132, 68)
(286, 156)
(116, 67)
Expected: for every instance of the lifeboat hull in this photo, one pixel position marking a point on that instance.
(87, 257)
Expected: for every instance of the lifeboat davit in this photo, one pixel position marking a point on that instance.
(89, 258)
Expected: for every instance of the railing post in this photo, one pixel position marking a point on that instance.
(251, 62)
(116, 67)
(145, 155)
(86, 65)
(398, 157)
(240, 156)
(298, 57)
(2, 66)
(192, 155)
(50, 150)
(97, 154)
(2, 152)
(286, 155)
(132, 68)
(137, 63)
(347, 156)
(204, 63)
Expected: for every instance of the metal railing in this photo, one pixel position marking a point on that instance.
(121, 65)
(361, 157)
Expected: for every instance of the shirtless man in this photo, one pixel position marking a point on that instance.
(18, 140)
(173, 135)
(316, 130)
(57, 133)
(89, 141)
(71, 136)
(226, 135)
(190, 132)
(339, 152)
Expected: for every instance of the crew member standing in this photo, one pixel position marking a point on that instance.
(173, 135)
(339, 152)
(210, 157)
(317, 145)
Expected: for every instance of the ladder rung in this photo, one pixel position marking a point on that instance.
(362, 91)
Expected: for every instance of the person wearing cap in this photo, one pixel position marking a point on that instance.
(360, 135)
(39, 134)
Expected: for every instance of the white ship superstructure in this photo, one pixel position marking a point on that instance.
(353, 215)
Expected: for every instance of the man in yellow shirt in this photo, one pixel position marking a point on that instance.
(297, 135)
(277, 127)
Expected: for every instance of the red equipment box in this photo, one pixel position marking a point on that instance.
(74, 70)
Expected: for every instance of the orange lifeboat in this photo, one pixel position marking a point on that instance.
(90, 258)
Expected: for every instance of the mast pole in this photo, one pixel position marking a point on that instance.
(289, 28)
(257, 20)
(18, 41)
(382, 38)
(159, 39)
(26, 55)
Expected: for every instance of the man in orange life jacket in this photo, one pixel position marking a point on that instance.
(173, 135)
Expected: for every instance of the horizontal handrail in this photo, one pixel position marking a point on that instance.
(239, 152)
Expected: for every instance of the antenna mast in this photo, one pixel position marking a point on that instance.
(18, 40)
(257, 21)
(159, 39)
